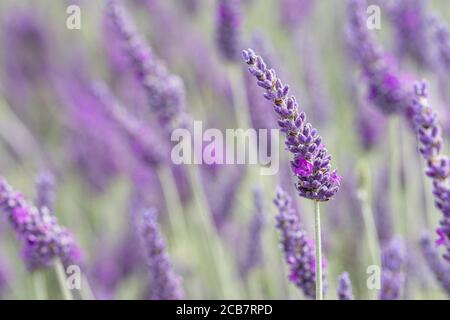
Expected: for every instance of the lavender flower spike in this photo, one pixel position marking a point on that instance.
(441, 272)
(311, 161)
(298, 248)
(429, 135)
(45, 191)
(42, 237)
(385, 85)
(345, 287)
(228, 28)
(165, 92)
(392, 278)
(165, 284)
(254, 254)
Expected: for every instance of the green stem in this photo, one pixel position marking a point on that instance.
(394, 176)
(61, 276)
(366, 207)
(319, 289)
(39, 285)
(173, 203)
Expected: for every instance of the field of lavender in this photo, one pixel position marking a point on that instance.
(119, 180)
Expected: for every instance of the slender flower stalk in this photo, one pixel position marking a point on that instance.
(165, 283)
(392, 277)
(441, 272)
(297, 247)
(429, 135)
(345, 287)
(43, 239)
(318, 239)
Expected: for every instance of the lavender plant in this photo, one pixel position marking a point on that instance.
(297, 247)
(345, 287)
(392, 277)
(43, 239)
(165, 284)
(429, 136)
(311, 163)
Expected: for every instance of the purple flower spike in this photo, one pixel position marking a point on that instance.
(297, 247)
(165, 92)
(429, 135)
(254, 254)
(165, 284)
(392, 278)
(345, 287)
(45, 191)
(228, 28)
(441, 272)
(43, 239)
(409, 18)
(386, 87)
(144, 143)
(441, 37)
(311, 163)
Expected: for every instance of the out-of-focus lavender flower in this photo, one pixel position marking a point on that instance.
(254, 254)
(96, 148)
(165, 283)
(441, 37)
(4, 276)
(386, 87)
(45, 191)
(165, 92)
(370, 126)
(191, 6)
(27, 58)
(370, 122)
(223, 201)
(383, 216)
(228, 31)
(143, 141)
(43, 238)
(441, 272)
(256, 102)
(392, 277)
(297, 247)
(311, 161)
(321, 106)
(409, 18)
(293, 13)
(429, 135)
(345, 287)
